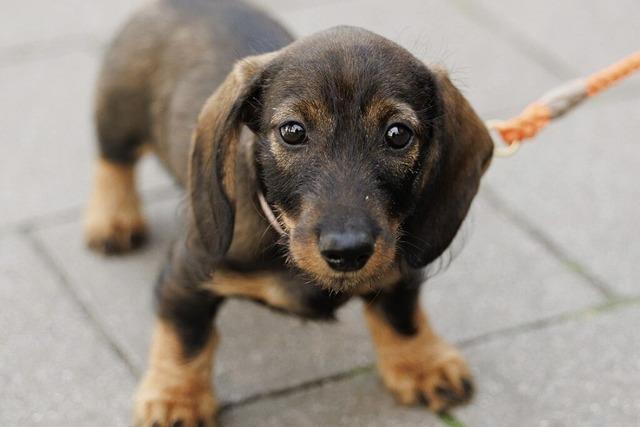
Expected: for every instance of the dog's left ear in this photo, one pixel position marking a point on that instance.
(444, 199)
(212, 161)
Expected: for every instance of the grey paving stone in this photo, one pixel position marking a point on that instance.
(578, 182)
(56, 370)
(356, 402)
(278, 7)
(118, 289)
(485, 67)
(263, 351)
(583, 373)
(31, 25)
(30, 22)
(47, 132)
(500, 278)
(585, 35)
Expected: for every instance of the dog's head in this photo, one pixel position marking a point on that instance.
(369, 157)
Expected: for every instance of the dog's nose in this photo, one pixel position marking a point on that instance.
(346, 251)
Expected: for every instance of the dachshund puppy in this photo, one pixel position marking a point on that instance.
(333, 166)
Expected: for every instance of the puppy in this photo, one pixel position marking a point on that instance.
(333, 166)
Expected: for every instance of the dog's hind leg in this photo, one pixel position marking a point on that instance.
(114, 221)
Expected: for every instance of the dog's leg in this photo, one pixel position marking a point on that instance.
(114, 221)
(413, 361)
(177, 388)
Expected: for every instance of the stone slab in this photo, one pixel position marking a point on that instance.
(56, 369)
(31, 22)
(361, 401)
(48, 143)
(585, 35)
(578, 183)
(582, 373)
(499, 279)
(484, 66)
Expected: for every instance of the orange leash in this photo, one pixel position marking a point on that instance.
(558, 102)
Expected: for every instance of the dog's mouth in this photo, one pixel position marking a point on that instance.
(339, 262)
(335, 272)
(353, 255)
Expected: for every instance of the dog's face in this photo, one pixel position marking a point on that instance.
(357, 153)
(345, 130)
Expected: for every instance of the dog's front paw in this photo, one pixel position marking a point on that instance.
(437, 376)
(160, 403)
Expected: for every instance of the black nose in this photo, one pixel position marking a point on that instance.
(347, 250)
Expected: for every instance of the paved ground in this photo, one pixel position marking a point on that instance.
(544, 298)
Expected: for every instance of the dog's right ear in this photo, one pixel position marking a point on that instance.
(212, 160)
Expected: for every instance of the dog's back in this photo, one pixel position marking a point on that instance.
(163, 65)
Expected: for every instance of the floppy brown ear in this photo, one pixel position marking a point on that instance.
(212, 160)
(444, 199)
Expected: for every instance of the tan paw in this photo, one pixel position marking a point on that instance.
(115, 232)
(176, 406)
(437, 377)
(114, 221)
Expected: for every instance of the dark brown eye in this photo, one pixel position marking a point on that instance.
(293, 133)
(398, 136)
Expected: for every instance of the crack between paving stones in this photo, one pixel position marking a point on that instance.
(450, 420)
(301, 387)
(72, 43)
(447, 419)
(49, 49)
(548, 60)
(541, 237)
(70, 214)
(50, 262)
(551, 321)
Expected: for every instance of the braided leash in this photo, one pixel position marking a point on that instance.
(558, 102)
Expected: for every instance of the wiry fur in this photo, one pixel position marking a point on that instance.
(225, 77)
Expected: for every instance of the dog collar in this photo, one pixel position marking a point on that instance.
(271, 216)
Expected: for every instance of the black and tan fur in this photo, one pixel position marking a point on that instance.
(207, 85)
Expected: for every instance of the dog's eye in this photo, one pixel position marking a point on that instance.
(398, 136)
(293, 133)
